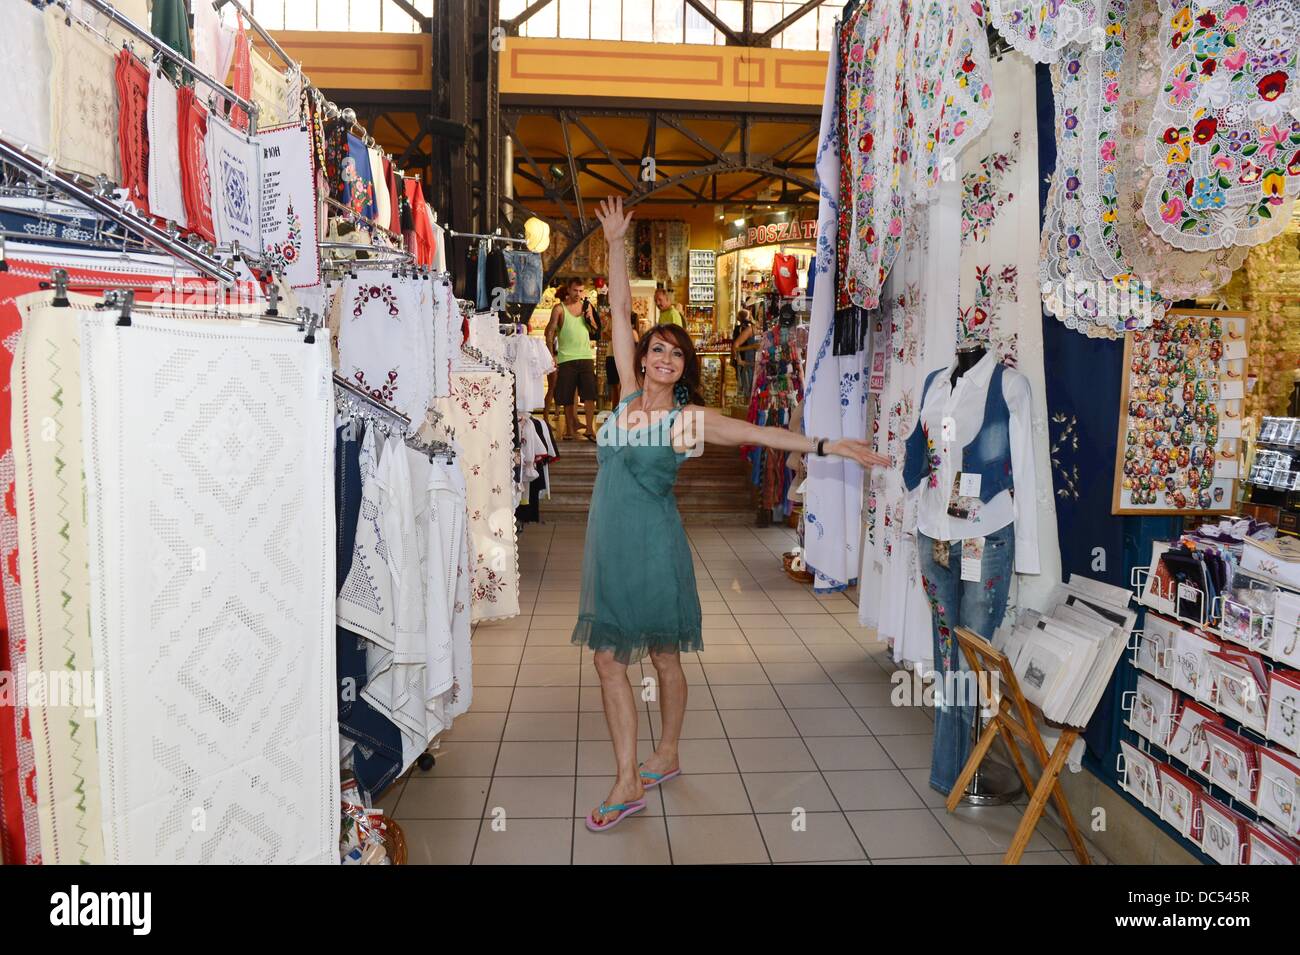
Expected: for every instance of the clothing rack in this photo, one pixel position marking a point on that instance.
(394, 417)
(473, 352)
(370, 224)
(162, 49)
(257, 28)
(498, 237)
(134, 224)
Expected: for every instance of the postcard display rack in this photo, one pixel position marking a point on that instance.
(1274, 477)
(1180, 416)
(1216, 748)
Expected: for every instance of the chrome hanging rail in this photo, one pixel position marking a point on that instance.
(257, 28)
(166, 51)
(138, 226)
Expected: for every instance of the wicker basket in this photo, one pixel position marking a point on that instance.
(803, 576)
(394, 841)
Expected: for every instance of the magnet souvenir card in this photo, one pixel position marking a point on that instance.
(1178, 390)
(1188, 744)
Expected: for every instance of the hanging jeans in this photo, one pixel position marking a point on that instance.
(745, 378)
(975, 605)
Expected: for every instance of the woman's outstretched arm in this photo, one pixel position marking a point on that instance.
(623, 344)
(697, 423)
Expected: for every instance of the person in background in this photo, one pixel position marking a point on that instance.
(668, 314)
(569, 335)
(745, 344)
(611, 366)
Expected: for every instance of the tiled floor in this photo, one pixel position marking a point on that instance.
(791, 752)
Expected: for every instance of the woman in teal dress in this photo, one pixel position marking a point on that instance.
(638, 579)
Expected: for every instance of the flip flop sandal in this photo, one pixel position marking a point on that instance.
(651, 779)
(624, 809)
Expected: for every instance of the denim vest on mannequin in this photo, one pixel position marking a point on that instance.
(988, 455)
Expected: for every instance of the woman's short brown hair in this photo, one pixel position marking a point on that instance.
(674, 335)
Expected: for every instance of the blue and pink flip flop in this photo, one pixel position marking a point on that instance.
(651, 779)
(624, 809)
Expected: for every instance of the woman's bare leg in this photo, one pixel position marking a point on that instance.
(672, 707)
(620, 716)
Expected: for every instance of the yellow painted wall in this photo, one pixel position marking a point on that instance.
(357, 61)
(671, 71)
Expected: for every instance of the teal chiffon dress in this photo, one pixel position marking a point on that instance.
(638, 580)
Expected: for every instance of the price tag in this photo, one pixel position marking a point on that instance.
(972, 559)
(970, 484)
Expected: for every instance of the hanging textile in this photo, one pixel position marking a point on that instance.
(278, 95)
(833, 489)
(448, 661)
(999, 302)
(132, 78)
(659, 253)
(27, 65)
(481, 411)
(169, 21)
(288, 202)
(196, 185)
(242, 84)
(1173, 273)
(1042, 29)
(360, 188)
(53, 554)
(238, 562)
(83, 99)
(166, 193)
(365, 604)
(679, 249)
(386, 339)
(383, 202)
(778, 388)
(336, 153)
(215, 42)
(1223, 142)
(234, 165)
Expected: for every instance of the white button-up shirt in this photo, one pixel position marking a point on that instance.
(953, 417)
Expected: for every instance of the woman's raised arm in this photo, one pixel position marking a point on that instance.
(614, 223)
(713, 427)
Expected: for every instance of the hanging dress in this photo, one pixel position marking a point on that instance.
(638, 579)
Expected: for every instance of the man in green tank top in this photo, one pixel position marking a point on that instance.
(668, 314)
(570, 334)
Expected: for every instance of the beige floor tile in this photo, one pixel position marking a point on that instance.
(823, 721)
(462, 759)
(493, 675)
(897, 720)
(761, 621)
(920, 782)
(757, 724)
(525, 842)
(873, 789)
(391, 796)
(901, 833)
(526, 727)
(548, 674)
(550, 637)
(786, 792)
(782, 653)
(727, 653)
(938, 860)
(1050, 857)
(543, 699)
(758, 636)
(531, 797)
(984, 829)
(910, 751)
(509, 655)
(537, 759)
(735, 674)
(476, 728)
(796, 673)
(745, 697)
(811, 696)
(492, 699)
(867, 694)
(451, 797)
(834, 652)
(551, 655)
(701, 794)
(810, 837)
(498, 638)
(715, 840)
(772, 755)
(639, 840)
(440, 841)
(857, 671)
(705, 756)
(847, 752)
(723, 637)
(699, 724)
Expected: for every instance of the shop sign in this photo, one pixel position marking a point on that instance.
(800, 230)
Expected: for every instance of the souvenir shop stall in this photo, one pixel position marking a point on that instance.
(261, 486)
(1051, 285)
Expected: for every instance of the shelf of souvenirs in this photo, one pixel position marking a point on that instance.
(1202, 783)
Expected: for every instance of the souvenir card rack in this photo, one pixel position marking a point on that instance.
(1212, 747)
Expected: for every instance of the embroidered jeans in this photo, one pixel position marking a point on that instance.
(977, 606)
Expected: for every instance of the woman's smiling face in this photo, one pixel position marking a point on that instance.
(664, 362)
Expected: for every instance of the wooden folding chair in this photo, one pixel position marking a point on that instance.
(1015, 721)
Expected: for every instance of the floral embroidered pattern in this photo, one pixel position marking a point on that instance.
(982, 196)
(368, 293)
(1223, 142)
(1041, 29)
